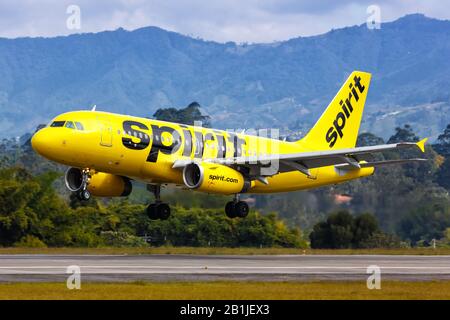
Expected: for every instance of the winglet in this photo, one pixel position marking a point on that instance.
(421, 144)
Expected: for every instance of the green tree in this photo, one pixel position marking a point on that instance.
(341, 230)
(320, 237)
(187, 115)
(443, 174)
(17, 217)
(405, 134)
(368, 139)
(427, 222)
(442, 145)
(365, 225)
(335, 233)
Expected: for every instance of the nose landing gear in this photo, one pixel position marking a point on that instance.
(236, 208)
(158, 209)
(83, 193)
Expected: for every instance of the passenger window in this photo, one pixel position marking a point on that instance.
(79, 126)
(57, 124)
(70, 125)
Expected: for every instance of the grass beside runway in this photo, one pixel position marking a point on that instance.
(229, 290)
(225, 251)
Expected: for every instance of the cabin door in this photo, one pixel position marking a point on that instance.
(106, 133)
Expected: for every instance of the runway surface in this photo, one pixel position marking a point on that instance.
(221, 267)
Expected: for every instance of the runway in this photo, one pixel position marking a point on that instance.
(221, 267)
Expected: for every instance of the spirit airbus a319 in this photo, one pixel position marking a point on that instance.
(105, 151)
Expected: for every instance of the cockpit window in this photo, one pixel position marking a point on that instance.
(79, 126)
(70, 125)
(57, 124)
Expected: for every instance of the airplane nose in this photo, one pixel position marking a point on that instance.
(40, 141)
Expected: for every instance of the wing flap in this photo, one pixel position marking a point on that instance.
(380, 163)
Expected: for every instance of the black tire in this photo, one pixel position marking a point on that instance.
(163, 210)
(241, 209)
(78, 194)
(86, 195)
(83, 195)
(230, 210)
(151, 211)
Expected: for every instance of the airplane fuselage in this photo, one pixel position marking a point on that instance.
(146, 149)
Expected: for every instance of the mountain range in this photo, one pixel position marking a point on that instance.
(269, 85)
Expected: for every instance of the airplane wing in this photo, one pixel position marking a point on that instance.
(344, 159)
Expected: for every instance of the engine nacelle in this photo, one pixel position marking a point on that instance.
(100, 184)
(75, 179)
(214, 178)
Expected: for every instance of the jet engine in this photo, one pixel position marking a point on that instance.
(214, 178)
(99, 184)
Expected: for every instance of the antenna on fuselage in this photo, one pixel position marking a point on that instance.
(94, 107)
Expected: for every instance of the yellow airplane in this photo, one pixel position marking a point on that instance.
(105, 151)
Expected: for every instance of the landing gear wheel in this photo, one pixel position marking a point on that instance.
(241, 209)
(235, 209)
(163, 210)
(151, 211)
(158, 209)
(230, 210)
(84, 195)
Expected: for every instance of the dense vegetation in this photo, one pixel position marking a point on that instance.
(32, 214)
(341, 231)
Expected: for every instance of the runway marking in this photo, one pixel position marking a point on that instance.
(112, 267)
(217, 267)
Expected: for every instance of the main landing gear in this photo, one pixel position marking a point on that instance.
(158, 209)
(236, 208)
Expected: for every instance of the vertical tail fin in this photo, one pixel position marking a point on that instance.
(338, 126)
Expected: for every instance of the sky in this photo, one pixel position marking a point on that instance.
(218, 20)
